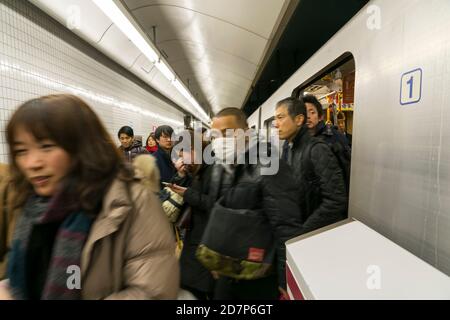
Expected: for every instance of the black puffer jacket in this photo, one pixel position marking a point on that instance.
(133, 151)
(340, 147)
(274, 196)
(323, 201)
(331, 135)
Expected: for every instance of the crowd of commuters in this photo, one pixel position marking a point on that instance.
(73, 204)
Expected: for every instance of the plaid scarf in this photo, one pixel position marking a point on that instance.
(67, 247)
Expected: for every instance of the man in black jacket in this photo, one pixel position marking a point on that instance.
(245, 187)
(167, 170)
(320, 182)
(337, 141)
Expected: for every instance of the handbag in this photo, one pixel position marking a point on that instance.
(237, 243)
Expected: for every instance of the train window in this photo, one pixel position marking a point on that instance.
(334, 87)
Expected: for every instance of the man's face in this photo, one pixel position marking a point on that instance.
(228, 144)
(125, 140)
(226, 122)
(313, 116)
(165, 141)
(286, 126)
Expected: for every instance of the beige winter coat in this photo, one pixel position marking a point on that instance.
(8, 217)
(130, 254)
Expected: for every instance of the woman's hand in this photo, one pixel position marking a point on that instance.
(4, 291)
(177, 189)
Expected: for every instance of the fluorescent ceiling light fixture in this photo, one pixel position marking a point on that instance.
(180, 87)
(111, 10)
(123, 20)
(177, 84)
(198, 107)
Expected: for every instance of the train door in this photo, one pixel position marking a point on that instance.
(334, 87)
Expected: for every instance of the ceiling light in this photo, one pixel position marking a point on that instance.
(111, 10)
(177, 84)
(121, 18)
(180, 87)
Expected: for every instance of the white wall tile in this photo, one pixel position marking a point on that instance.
(33, 63)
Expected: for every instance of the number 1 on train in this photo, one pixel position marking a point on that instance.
(410, 83)
(411, 87)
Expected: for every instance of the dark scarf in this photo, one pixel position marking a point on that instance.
(67, 247)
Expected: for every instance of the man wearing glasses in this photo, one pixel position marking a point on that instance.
(163, 136)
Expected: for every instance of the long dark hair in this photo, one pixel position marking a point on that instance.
(71, 124)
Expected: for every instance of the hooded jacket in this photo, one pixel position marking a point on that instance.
(8, 216)
(134, 150)
(130, 250)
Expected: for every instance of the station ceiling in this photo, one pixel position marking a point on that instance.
(232, 53)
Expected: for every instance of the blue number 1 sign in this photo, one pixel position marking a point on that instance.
(411, 87)
(410, 83)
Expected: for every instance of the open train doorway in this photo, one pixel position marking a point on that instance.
(334, 87)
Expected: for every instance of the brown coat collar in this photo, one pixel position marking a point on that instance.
(116, 206)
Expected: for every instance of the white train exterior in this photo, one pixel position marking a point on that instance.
(400, 179)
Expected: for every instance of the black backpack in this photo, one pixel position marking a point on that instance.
(342, 153)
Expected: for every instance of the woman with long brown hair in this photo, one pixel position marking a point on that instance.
(87, 230)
